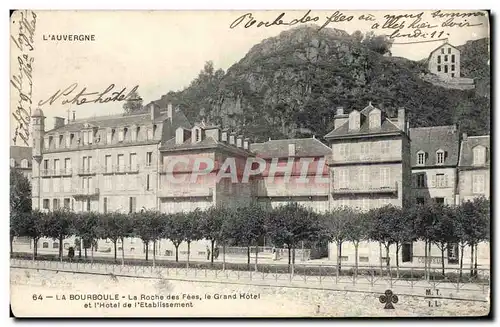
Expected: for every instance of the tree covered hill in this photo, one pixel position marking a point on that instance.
(290, 86)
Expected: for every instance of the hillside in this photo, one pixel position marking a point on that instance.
(290, 85)
(475, 64)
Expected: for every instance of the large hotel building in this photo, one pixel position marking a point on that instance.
(123, 163)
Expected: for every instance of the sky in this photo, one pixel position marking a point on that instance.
(162, 51)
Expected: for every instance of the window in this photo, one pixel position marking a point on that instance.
(46, 164)
(449, 50)
(343, 178)
(452, 58)
(105, 205)
(374, 120)
(452, 74)
(421, 158)
(121, 162)
(407, 252)
(91, 136)
(150, 134)
(385, 147)
(452, 253)
(107, 163)
(421, 180)
(147, 182)
(68, 140)
(197, 135)
(154, 130)
(364, 178)
(88, 204)
(344, 150)
(12, 162)
(67, 203)
(445, 57)
(67, 165)
(365, 150)
(125, 133)
(46, 204)
(85, 137)
(132, 204)
(45, 245)
(479, 153)
(445, 68)
(133, 161)
(439, 59)
(439, 157)
(363, 259)
(120, 135)
(439, 68)
(57, 167)
(420, 200)
(24, 163)
(149, 158)
(55, 245)
(385, 177)
(478, 183)
(439, 200)
(441, 180)
(452, 68)
(365, 204)
(442, 50)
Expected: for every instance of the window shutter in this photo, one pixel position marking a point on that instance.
(446, 180)
(433, 181)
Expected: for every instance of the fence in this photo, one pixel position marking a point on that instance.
(368, 278)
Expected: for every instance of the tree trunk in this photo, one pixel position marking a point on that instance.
(472, 260)
(223, 256)
(85, 250)
(356, 263)
(154, 253)
(397, 259)
(60, 248)
(114, 243)
(176, 251)
(36, 247)
(443, 248)
(212, 253)
(11, 245)
(146, 247)
(387, 259)
(462, 248)
(123, 252)
(380, 257)
(339, 256)
(289, 258)
(425, 259)
(293, 260)
(256, 256)
(475, 261)
(92, 252)
(248, 257)
(189, 253)
(80, 249)
(429, 251)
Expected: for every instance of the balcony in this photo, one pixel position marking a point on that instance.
(265, 189)
(56, 172)
(186, 191)
(358, 159)
(86, 171)
(389, 189)
(124, 169)
(86, 192)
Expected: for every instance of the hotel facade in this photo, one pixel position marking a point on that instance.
(130, 162)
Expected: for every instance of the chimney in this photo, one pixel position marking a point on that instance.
(74, 115)
(354, 120)
(246, 143)
(340, 118)
(402, 119)
(58, 122)
(224, 135)
(155, 111)
(464, 136)
(169, 111)
(239, 141)
(232, 136)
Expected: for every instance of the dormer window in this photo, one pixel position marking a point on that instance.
(150, 134)
(154, 130)
(24, 163)
(50, 141)
(137, 133)
(85, 138)
(439, 157)
(375, 118)
(12, 162)
(91, 136)
(125, 132)
(354, 120)
(120, 135)
(197, 135)
(420, 158)
(479, 153)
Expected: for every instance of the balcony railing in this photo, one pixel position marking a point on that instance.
(363, 158)
(183, 191)
(393, 189)
(56, 172)
(86, 192)
(287, 189)
(122, 169)
(86, 171)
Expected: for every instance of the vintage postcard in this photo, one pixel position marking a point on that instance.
(298, 163)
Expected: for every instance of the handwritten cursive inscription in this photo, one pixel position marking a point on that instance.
(68, 95)
(251, 21)
(21, 80)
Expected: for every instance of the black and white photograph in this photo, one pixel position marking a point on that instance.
(250, 163)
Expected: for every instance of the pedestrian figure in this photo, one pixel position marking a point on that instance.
(71, 253)
(275, 254)
(208, 253)
(216, 253)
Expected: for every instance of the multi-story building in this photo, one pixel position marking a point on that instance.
(474, 167)
(434, 160)
(444, 61)
(370, 165)
(295, 170)
(21, 159)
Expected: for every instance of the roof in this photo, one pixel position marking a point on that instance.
(307, 147)
(19, 153)
(386, 126)
(206, 143)
(110, 121)
(466, 154)
(170, 125)
(38, 113)
(432, 139)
